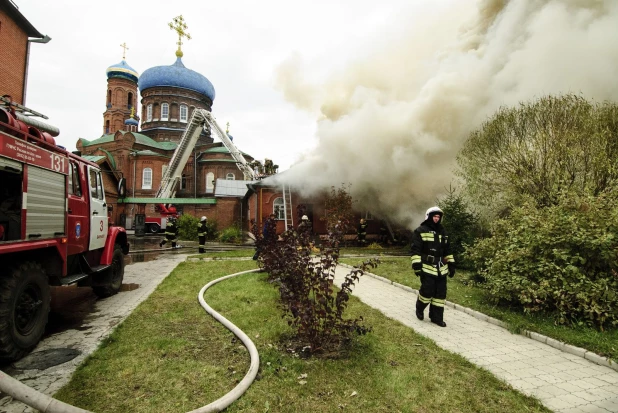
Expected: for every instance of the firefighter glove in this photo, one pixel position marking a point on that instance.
(417, 268)
(451, 270)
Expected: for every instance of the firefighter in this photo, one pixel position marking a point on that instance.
(305, 224)
(383, 232)
(432, 262)
(171, 233)
(202, 231)
(361, 232)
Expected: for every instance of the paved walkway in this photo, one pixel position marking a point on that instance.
(563, 382)
(105, 316)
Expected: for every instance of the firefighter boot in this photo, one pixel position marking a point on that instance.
(420, 308)
(173, 244)
(161, 244)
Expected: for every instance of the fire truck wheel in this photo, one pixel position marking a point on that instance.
(154, 228)
(113, 275)
(24, 308)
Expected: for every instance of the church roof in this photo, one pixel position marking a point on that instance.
(122, 70)
(176, 75)
(222, 149)
(139, 139)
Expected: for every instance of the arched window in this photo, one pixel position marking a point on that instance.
(184, 113)
(147, 178)
(278, 208)
(230, 177)
(130, 100)
(210, 182)
(107, 126)
(165, 111)
(109, 98)
(149, 113)
(183, 181)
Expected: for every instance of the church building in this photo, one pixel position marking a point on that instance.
(137, 145)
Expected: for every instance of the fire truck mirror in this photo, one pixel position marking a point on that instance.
(122, 187)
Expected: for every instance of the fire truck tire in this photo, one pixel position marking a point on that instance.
(154, 228)
(114, 275)
(24, 310)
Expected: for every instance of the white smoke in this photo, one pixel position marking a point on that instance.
(392, 124)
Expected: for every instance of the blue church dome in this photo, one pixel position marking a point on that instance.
(131, 121)
(176, 75)
(122, 70)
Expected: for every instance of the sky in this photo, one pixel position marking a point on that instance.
(376, 96)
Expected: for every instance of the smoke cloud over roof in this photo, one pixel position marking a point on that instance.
(391, 123)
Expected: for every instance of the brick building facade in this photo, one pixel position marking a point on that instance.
(16, 36)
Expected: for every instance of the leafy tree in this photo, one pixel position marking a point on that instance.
(541, 148)
(338, 212)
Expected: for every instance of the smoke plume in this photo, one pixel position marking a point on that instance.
(391, 124)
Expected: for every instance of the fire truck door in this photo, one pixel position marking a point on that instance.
(98, 209)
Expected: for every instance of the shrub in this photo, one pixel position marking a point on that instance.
(561, 259)
(187, 227)
(231, 235)
(306, 288)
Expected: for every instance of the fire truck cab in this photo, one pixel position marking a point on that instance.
(54, 229)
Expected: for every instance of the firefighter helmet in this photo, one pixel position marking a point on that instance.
(433, 211)
(203, 219)
(305, 218)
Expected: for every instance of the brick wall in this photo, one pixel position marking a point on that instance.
(13, 48)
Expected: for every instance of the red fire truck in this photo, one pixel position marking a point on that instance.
(54, 228)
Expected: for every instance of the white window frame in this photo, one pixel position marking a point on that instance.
(149, 113)
(165, 111)
(230, 177)
(184, 113)
(147, 178)
(210, 185)
(278, 208)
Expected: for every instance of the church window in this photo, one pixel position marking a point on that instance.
(149, 113)
(184, 113)
(210, 182)
(183, 182)
(109, 98)
(107, 126)
(278, 208)
(165, 111)
(230, 177)
(147, 178)
(130, 100)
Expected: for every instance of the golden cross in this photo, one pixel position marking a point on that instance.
(179, 26)
(227, 129)
(132, 112)
(124, 51)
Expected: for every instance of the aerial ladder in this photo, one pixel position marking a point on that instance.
(200, 120)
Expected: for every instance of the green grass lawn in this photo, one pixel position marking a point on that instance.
(464, 292)
(170, 356)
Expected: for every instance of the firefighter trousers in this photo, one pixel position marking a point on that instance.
(202, 242)
(169, 237)
(432, 294)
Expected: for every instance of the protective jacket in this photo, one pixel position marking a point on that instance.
(202, 229)
(430, 247)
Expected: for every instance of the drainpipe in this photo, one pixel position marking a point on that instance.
(194, 174)
(44, 39)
